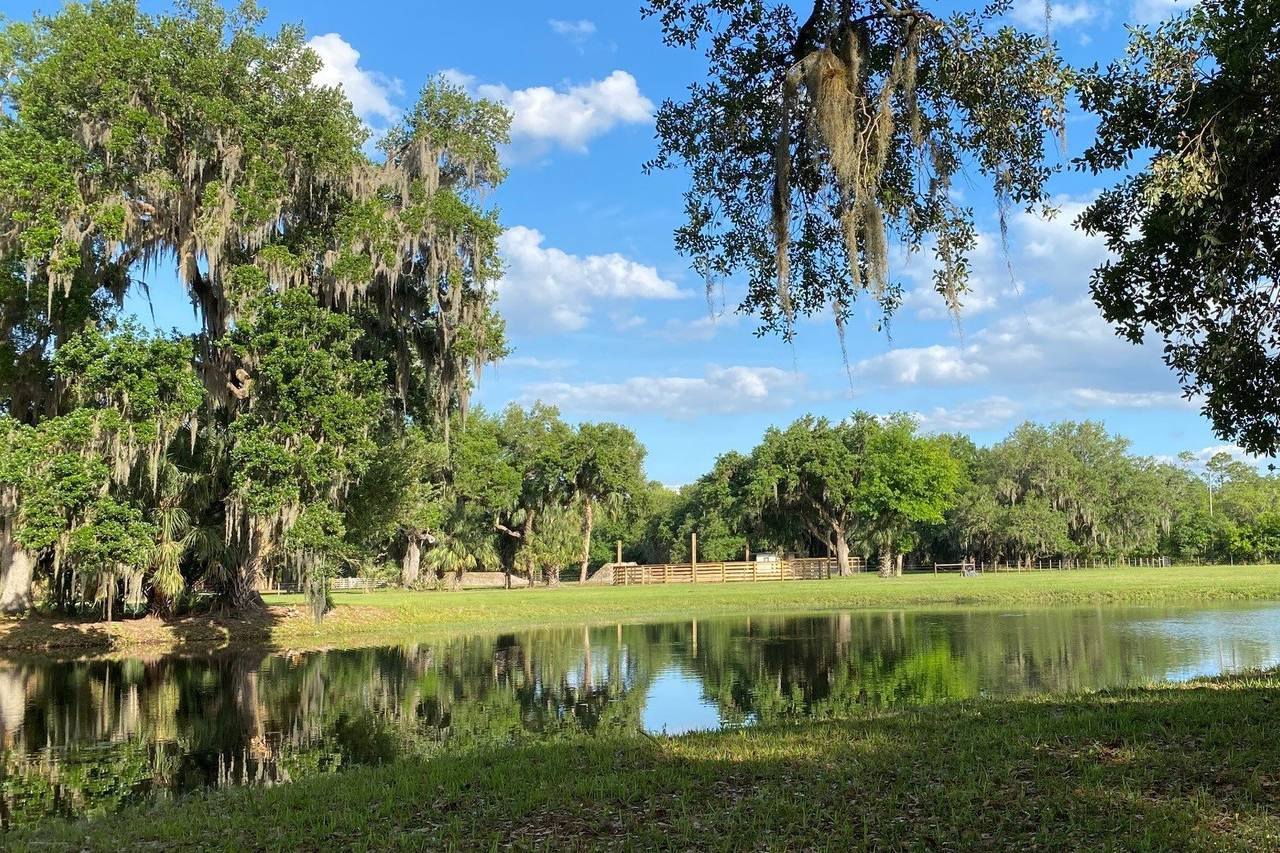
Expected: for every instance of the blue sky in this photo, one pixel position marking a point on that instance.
(609, 323)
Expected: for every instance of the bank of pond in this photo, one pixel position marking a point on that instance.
(89, 738)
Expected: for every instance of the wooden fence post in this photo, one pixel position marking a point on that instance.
(693, 554)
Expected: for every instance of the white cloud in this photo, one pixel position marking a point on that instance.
(534, 363)
(370, 93)
(1053, 251)
(1058, 352)
(574, 31)
(1155, 11)
(624, 321)
(571, 116)
(701, 328)
(980, 414)
(1030, 14)
(989, 281)
(1043, 254)
(1098, 398)
(1201, 457)
(547, 287)
(923, 366)
(458, 78)
(721, 390)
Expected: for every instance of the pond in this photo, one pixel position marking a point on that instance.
(87, 737)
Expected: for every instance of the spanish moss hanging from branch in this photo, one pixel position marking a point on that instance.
(815, 144)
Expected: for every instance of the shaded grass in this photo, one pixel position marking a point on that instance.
(388, 616)
(1176, 767)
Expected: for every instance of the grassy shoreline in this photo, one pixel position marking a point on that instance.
(1181, 767)
(362, 619)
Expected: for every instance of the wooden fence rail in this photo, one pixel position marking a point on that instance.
(741, 571)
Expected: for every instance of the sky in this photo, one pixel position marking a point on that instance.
(608, 322)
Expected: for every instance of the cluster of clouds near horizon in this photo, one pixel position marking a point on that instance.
(607, 322)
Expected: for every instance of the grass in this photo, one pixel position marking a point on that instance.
(1173, 767)
(388, 616)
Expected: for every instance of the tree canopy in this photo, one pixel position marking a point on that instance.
(343, 300)
(1192, 111)
(818, 136)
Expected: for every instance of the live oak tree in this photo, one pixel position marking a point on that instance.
(398, 507)
(717, 509)
(193, 139)
(1192, 112)
(812, 471)
(75, 488)
(907, 481)
(300, 440)
(862, 480)
(539, 445)
(819, 137)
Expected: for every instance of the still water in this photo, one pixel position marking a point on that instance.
(88, 737)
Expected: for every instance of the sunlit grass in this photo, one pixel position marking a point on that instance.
(1177, 767)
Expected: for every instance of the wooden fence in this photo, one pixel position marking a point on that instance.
(1056, 564)
(741, 571)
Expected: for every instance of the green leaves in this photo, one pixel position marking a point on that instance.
(816, 137)
(864, 479)
(308, 426)
(1193, 115)
(145, 378)
(114, 538)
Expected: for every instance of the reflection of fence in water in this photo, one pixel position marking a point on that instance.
(740, 571)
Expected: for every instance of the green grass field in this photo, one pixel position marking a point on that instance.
(388, 616)
(1166, 768)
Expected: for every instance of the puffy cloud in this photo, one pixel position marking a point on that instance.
(574, 31)
(931, 365)
(572, 116)
(1043, 255)
(1050, 345)
(721, 390)
(547, 287)
(370, 93)
(989, 281)
(1098, 398)
(1203, 455)
(980, 414)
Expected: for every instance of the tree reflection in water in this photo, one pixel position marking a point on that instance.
(86, 737)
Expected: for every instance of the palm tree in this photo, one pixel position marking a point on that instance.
(608, 460)
(458, 552)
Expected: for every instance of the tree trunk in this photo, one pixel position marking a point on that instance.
(897, 565)
(244, 594)
(411, 565)
(526, 555)
(886, 562)
(842, 555)
(17, 568)
(587, 521)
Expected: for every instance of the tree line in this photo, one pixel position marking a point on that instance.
(876, 488)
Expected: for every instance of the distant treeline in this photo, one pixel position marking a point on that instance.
(1067, 491)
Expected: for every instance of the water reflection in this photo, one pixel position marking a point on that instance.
(87, 737)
